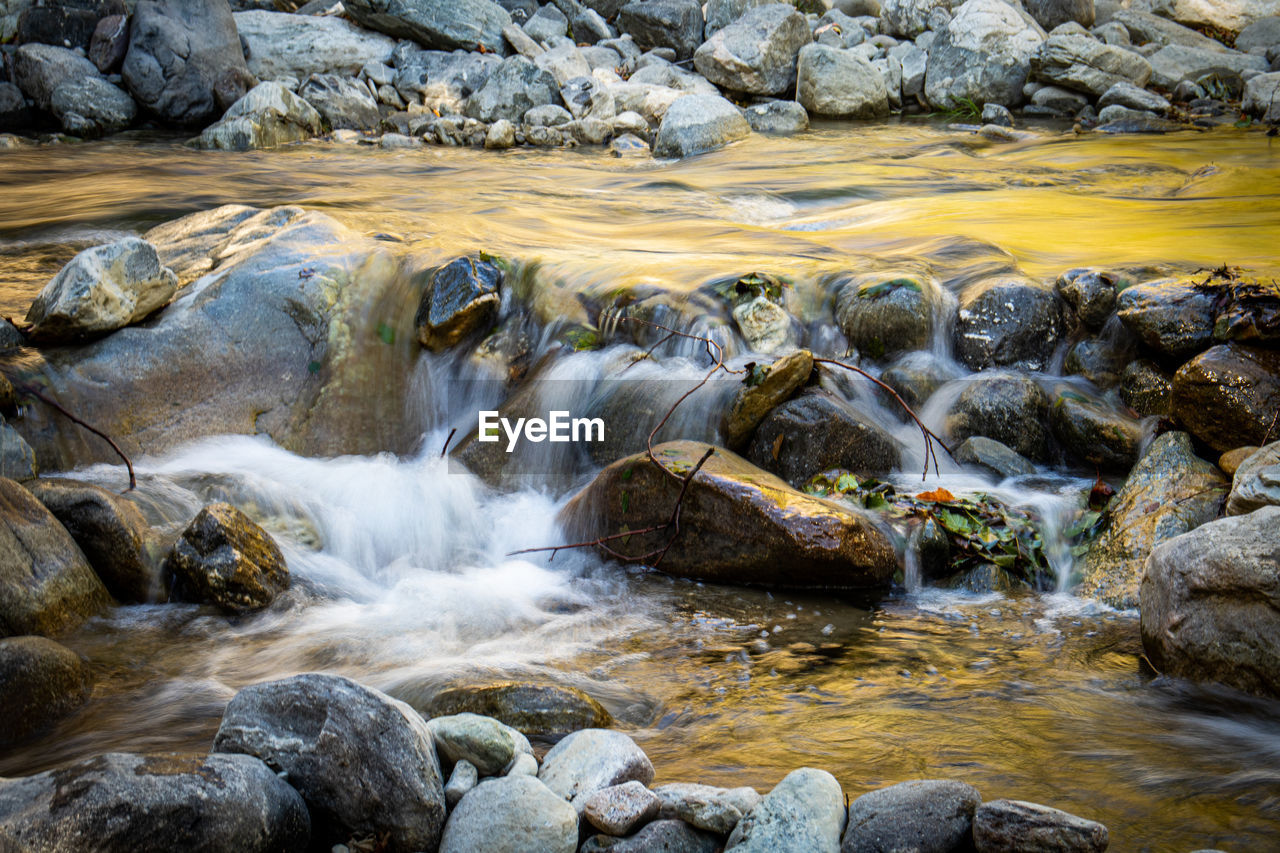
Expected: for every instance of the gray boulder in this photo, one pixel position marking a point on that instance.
(512, 90)
(885, 313)
(1013, 826)
(818, 431)
(463, 778)
(1085, 64)
(443, 80)
(1256, 483)
(1147, 29)
(667, 836)
(705, 807)
(1013, 410)
(1095, 433)
(40, 69)
(482, 742)
(929, 816)
(591, 760)
(804, 813)
(17, 459)
(694, 124)
(1262, 97)
(512, 814)
(619, 809)
(777, 118)
(1173, 64)
(100, 290)
(223, 558)
(907, 18)
(565, 62)
(1100, 359)
(722, 13)
(443, 24)
(835, 82)
(1174, 318)
(1261, 34)
(587, 97)
(1230, 15)
(1053, 13)
(341, 102)
(547, 23)
(91, 106)
(534, 709)
(42, 682)
(143, 803)
(268, 116)
(993, 456)
(757, 52)
(110, 43)
(1089, 293)
(327, 733)
(677, 24)
(281, 45)
(982, 55)
(1126, 94)
(14, 114)
(1008, 322)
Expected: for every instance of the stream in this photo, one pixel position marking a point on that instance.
(404, 577)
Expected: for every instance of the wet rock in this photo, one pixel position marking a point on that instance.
(483, 742)
(677, 24)
(1146, 388)
(341, 102)
(669, 836)
(1008, 323)
(1228, 395)
(757, 52)
(1169, 492)
(752, 403)
(1173, 64)
(185, 63)
(513, 89)
(46, 585)
(325, 731)
(620, 809)
(14, 114)
(1005, 826)
(42, 682)
(111, 532)
(818, 431)
(929, 816)
(92, 107)
(270, 115)
(67, 24)
(511, 814)
(704, 807)
(442, 24)
(17, 459)
(223, 558)
(281, 45)
(779, 118)
(462, 296)
(1101, 360)
(145, 803)
(742, 525)
(834, 82)
(983, 54)
(1256, 482)
(1209, 603)
(997, 114)
(1126, 94)
(1013, 410)
(804, 813)
(914, 378)
(694, 124)
(109, 43)
(993, 456)
(463, 778)
(883, 313)
(1083, 63)
(1260, 97)
(1091, 432)
(40, 69)
(534, 709)
(591, 760)
(765, 325)
(1173, 318)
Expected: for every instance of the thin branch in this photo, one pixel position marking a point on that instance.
(49, 401)
(445, 449)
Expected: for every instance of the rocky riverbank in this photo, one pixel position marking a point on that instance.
(671, 76)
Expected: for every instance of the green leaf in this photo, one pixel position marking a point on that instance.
(847, 483)
(875, 501)
(313, 367)
(386, 333)
(626, 474)
(626, 502)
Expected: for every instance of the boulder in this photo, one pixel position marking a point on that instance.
(67, 23)
(14, 114)
(1210, 600)
(1083, 63)
(1173, 318)
(804, 813)
(669, 836)
(143, 803)
(818, 431)
(533, 709)
(224, 559)
(461, 781)
(46, 585)
(482, 742)
(677, 24)
(280, 45)
(1008, 322)
(443, 81)
(694, 124)
(1146, 388)
(757, 52)
(509, 815)
(461, 297)
(92, 107)
(619, 809)
(40, 69)
(1125, 94)
(42, 682)
(587, 97)
(364, 763)
(10, 12)
(268, 116)
(1256, 482)
(704, 807)
(842, 83)
(546, 24)
(1092, 432)
(185, 63)
(111, 532)
(1229, 15)
(443, 24)
(591, 760)
(1262, 33)
(1262, 97)
(982, 55)
(1053, 13)
(778, 118)
(1147, 29)
(765, 325)
(565, 62)
(17, 459)
(993, 456)
(752, 403)
(1228, 395)
(342, 102)
(1013, 826)
(907, 19)
(1101, 360)
(1173, 64)
(1013, 410)
(110, 43)
(513, 89)
(928, 816)
(722, 13)
(100, 290)
(1169, 491)
(739, 524)
(886, 313)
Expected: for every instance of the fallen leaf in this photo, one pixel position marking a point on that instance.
(938, 495)
(777, 445)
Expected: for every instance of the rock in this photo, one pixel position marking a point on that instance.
(816, 432)
(482, 742)
(1093, 433)
(1261, 97)
(993, 456)
(779, 118)
(324, 732)
(591, 760)
(698, 123)
(67, 24)
(621, 808)
(42, 682)
(1053, 13)
(270, 115)
(833, 82)
(669, 836)
(513, 89)
(1006, 826)
(885, 313)
(1228, 395)
(1231, 461)
(111, 532)
(341, 102)
(715, 810)
(907, 18)
(533, 709)
(983, 54)
(521, 42)
(1262, 33)
(501, 135)
(223, 558)
(146, 803)
(185, 63)
(929, 816)
(565, 63)
(1101, 360)
(508, 815)
(804, 813)
(1008, 322)
(1010, 409)
(548, 115)
(1256, 482)
(109, 43)
(1147, 29)
(281, 45)
(1059, 101)
(40, 69)
(742, 525)
(1173, 64)
(722, 13)
(443, 81)
(765, 325)
(46, 585)
(1209, 603)
(676, 24)
(997, 114)
(14, 114)
(1230, 15)
(443, 24)
(752, 403)
(547, 23)
(1169, 492)
(1085, 64)
(461, 781)
(462, 296)
(92, 107)
(757, 52)
(1125, 94)
(17, 459)
(587, 97)
(588, 131)
(1147, 389)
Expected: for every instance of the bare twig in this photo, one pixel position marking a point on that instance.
(49, 401)
(445, 449)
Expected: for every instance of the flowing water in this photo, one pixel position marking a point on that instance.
(402, 566)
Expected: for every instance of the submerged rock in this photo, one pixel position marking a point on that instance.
(929, 816)
(444, 24)
(223, 558)
(591, 760)
(461, 297)
(509, 815)
(993, 456)
(1013, 826)
(818, 431)
(804, 813)
(1256, 482)
(1013, 410)
(533, 709)
(1228, 395)
(42, 682)
(739, 524)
